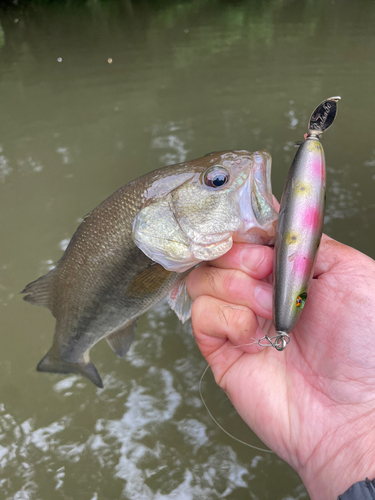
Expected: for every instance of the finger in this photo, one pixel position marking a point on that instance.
(224, 332)
(332, 253)
(214, 321)
(254, 260)
(232, 286)
(276, 204)
(322, 260)
(326, 259)
(329, 252)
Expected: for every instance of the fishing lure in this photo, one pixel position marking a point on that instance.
(298, 234)
(299, 226)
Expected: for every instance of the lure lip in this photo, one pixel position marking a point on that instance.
(322, 117)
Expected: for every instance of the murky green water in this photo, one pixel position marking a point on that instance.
(186, 78)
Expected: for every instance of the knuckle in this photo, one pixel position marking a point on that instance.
(244, 320)
(232, 282)
(212, 275)
(239, 318)
(224, 313)
(198, 306)
(197, 310)
(192, 280)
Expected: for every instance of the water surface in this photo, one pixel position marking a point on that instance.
(94, 94)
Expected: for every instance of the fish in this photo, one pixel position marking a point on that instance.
(300, 224)
(139, 245)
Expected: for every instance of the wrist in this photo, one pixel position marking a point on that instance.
(340, 461)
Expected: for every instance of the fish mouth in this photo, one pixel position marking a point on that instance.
(255, 203)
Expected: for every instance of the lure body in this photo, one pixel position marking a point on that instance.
(299, 230)
(300, 224)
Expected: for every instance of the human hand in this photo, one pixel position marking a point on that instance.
(313, 403)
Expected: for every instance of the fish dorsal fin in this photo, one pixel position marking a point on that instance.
(52, 364)
(148, 281)
(121, 340)
(39, 291)
(180, 301)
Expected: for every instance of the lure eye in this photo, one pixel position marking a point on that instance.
(300, 300)
(216, 177)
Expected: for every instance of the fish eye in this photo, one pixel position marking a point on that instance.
(216, 177)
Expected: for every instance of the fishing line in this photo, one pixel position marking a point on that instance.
(208, 410)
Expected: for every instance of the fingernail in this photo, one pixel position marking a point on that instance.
(251, 258)
(263, 295)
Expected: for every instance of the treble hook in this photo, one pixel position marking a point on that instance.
(279, 342)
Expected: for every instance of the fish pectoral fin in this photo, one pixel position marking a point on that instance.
(39, 291)
(52, 364)
(121, 340)
(148, 281)
(180, 301)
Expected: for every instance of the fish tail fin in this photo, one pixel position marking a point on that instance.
(54, 364)
(39, 291)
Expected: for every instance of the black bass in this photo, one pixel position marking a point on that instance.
(138, 246)
(300, 223)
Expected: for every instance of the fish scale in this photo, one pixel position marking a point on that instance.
(138, 246)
